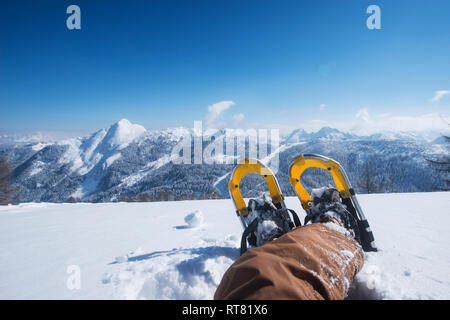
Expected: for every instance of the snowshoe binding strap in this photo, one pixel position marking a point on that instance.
(295, 217)
(249, 233)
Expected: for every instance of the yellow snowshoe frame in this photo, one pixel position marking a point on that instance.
(245, 167)
(305, 161)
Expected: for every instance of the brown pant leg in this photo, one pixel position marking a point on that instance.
(310, 262)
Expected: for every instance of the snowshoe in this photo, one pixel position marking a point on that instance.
(361, 228)
(265, 218)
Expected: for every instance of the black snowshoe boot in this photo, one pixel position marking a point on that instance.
(327, 206)
(266, 222)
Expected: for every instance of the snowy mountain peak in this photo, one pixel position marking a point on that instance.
(124, 122)
(122, 133)
(332, 133)
(296, 135)
(329, 133)
(327, 130)
(324, 133)
(395, 135)
(102, 146)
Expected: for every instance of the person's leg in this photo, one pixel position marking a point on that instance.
(317, 261)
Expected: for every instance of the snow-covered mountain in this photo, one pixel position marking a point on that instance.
(327, 133)
(102, 147)
(126, 160)
(324, 133)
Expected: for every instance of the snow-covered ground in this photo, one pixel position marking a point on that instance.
(150, 251)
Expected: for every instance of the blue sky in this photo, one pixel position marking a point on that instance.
(163, 63)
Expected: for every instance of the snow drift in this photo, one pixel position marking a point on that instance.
(136, 251)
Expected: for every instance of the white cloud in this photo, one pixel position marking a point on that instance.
(238, 117)
(383, 115)
(322, 106)
(438, 95)
(364, 123)
(215, 110)
(426, 122)
(364, 115)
